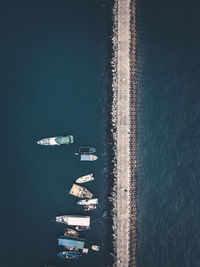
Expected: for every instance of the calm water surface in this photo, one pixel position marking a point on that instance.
(54, 81)
(169, 135)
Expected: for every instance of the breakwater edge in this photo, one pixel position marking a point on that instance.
(124, 132)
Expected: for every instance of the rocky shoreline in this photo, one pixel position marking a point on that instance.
(124, 131)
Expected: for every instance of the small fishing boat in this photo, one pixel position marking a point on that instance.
(85, 250)
(71, 249)
(84, 179)
(87, 150)
(90, 207)
(95, 247)
(88, 157)
(80, 191)
(82, 228)
(92, 201)
(71, 233)
(68, 255)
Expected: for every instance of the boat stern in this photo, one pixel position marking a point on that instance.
(71, 139)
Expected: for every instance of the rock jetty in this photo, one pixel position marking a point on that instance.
(124, 131)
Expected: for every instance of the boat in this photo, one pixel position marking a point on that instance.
(58, 140)
(90, 207)
(71, 244)
(69, 255)
(87, 150)
(88, 157)
(71, 249)
(82, 228)
(92, 201)
(84, 179)
(80, 191)
(75, 220)
(85, 250)
(94, 247)
(71, 233)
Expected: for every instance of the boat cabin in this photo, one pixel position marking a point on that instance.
(71, 243)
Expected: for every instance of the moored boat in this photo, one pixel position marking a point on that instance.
(90, 207)
(84, 179)
(88, 157)
(92, 201)
(56, 141)
(80, 191)
(85, 250)
(71, 244)
(69, 255)
(71, 233)
(75, 220)
(82, 228)
(95, 247)
(71, 249)
(87, 150)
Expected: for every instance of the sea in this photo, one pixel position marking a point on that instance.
(54, 80)
(168, 142)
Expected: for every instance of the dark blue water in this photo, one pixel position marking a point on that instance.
(54, 81)
(169, 135)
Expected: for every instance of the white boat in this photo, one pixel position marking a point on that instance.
(88, 157)
(84, 179)
(95, 247)
(90, 207)
(85, 250)
(74, 220)
(82, 228)
(85, 202)
(56, 141)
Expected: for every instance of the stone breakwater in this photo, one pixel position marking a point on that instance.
(124, 132)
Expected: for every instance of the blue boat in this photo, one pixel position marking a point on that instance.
(71, 243)
(66, 255)
(92, 150)
(87, 150)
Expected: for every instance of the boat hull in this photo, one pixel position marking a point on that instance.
(87, 150)
(85, 202)
(95, 247)
(85, 179)
(80, 191)
(88, 157)
(67, 255)
(71, 233)
(74, 220)
(90, 207)
(56, 141)
(82, 228)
